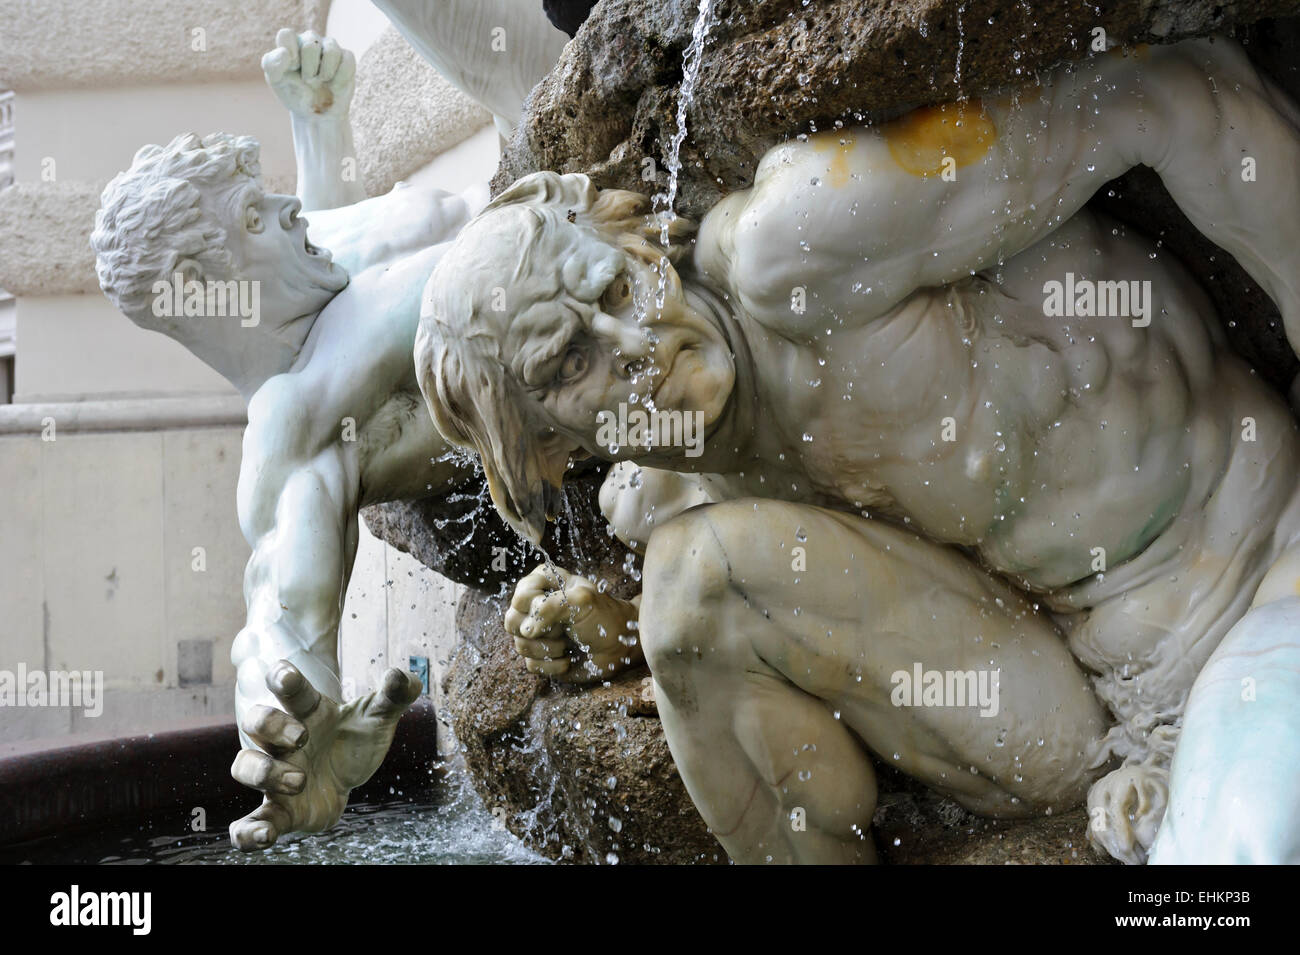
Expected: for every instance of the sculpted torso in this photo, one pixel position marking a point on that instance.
(860, 333)
(910, 463)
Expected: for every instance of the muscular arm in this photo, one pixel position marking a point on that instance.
(298, 513)
(859, 219)
(313, 78)
(303, 747)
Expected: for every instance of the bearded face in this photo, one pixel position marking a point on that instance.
(580, 339)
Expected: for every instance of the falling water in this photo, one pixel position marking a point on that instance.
(685, 94)
(663, 207)
(961, 43)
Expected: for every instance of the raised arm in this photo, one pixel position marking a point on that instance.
(859, 219)
(314, 79)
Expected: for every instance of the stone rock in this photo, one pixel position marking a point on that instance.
(461, 535)
(776, 68)
(579, 775)
(915, 826)
(404, 113)
(543, 756)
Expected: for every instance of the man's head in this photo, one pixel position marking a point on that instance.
(195, 208)
(541, 322)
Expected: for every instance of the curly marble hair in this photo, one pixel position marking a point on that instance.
(152, 217)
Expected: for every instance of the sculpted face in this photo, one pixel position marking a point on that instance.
(622, 352)
(576, 340)
(188, 243)
(268, 241)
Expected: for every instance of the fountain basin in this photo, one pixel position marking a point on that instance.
(137, 800)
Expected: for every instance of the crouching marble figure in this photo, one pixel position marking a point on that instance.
(910, 464)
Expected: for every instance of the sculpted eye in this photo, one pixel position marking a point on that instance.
(252, 219)
(618, 295)
(574, 364)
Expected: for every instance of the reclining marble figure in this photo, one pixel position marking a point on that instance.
(925, 463)
(335, 417)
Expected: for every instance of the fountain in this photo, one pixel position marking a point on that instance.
(662, 128)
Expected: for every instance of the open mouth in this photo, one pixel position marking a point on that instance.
(314, 251)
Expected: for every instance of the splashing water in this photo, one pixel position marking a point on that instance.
(663, 209)
(454, 827)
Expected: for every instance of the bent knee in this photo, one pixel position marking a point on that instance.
(694, 579)
(684, 581)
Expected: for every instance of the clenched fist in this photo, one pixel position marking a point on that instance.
(566, 629)
(311, 76)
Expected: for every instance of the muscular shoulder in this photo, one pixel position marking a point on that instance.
(822, 234)
(282, 422)
(380, 230)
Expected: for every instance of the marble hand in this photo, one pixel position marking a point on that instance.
(565, 628)
(312, 753)
(310, 76)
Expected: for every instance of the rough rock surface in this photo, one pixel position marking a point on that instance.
(915, 826)
(461, 536)
(585, 775)
(776, 68)
(580, 775)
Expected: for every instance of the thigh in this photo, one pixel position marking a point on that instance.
(940, 668)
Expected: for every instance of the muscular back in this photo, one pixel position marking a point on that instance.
(911, 259)
(1030, 438)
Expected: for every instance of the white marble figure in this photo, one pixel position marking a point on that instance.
(929, 468)
(335, 418)
(495, 51)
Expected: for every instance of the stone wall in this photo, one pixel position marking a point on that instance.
(98, 557)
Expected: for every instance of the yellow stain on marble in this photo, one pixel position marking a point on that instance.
(839, 144)
(921, 140)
